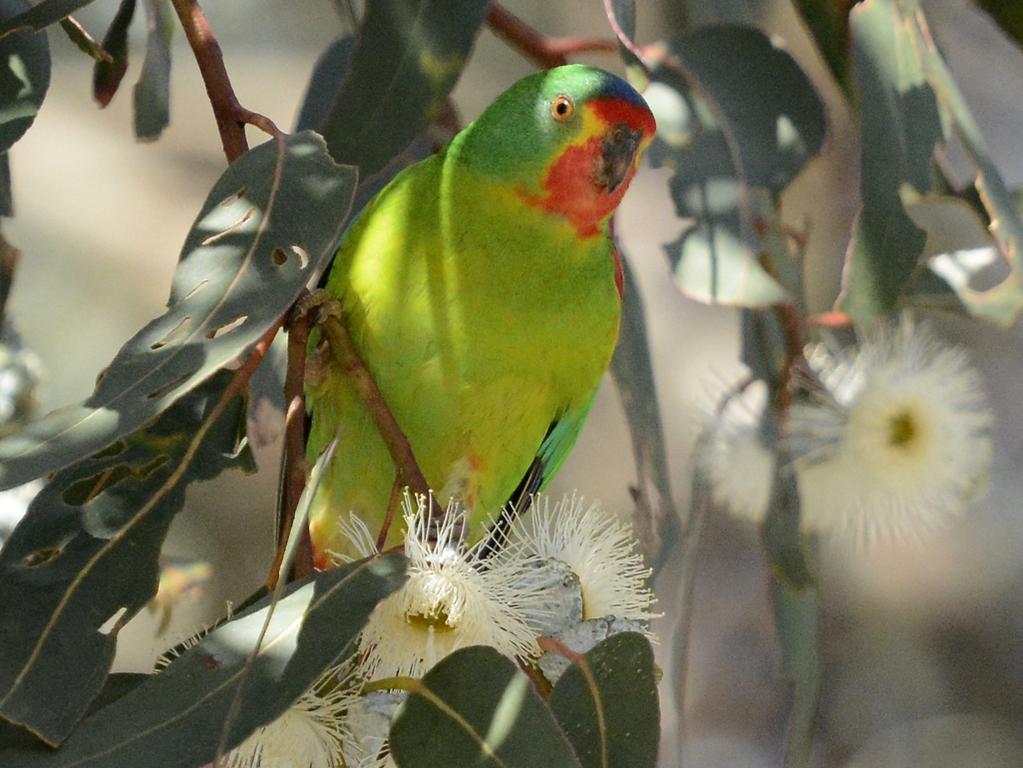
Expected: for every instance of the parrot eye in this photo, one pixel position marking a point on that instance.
(562, 109)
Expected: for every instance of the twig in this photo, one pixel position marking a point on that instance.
(623, 39)
(293, 478)
(792, 326)
(231, 116)
(86, 43)
(542, 50)
(392, 504)
(347, 358)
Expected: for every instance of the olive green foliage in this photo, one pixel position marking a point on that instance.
(738, 122)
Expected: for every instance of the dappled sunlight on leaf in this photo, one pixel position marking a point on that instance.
(310, 628)
(227, 271)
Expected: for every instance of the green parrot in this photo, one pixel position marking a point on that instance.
(483, 292)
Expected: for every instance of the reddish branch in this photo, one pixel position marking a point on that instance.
(294, 476)
(544, 51)
(231, 116)
(833, 319)
(348, 360)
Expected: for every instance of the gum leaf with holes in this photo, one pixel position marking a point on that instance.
(24, 76)
(476, 708)
(606, 703)
(408, 55)
(737, 120)
(88, 549)
(295, 201)
(175, 718)
(39, 16)
(151, 96)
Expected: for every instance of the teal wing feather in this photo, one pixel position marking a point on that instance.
(553, 450)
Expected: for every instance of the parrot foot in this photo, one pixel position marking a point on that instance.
(319, 305)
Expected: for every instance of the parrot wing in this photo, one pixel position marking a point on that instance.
(553, 450)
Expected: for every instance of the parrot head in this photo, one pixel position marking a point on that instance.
(567, 141)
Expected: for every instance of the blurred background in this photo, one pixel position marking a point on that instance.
(921, 642)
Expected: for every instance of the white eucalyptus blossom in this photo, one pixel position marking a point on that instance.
(598, 548)
(310, 732)
(738, 466)
(896, 440)
(452, 598)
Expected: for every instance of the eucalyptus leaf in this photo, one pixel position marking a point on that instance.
(476, 708)
(1005, 221)
(1008, 14)
(39, 16)
(632, 369)
(408, 55)
(973, 275)
(622, 15)
(107, 75)
(795, 600)
(116, 686)
(265, 231)
(328, 75)
(760, 98)
(737, 121)
(796, 619)
(900, 127)
(9, 256)
(6, 196)
(828, 22)
(784, 543)
(84, 559)
(152, 91)
(24, 75)
(174, 718)
(606, 703)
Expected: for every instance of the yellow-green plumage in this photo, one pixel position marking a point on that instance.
(483, 317)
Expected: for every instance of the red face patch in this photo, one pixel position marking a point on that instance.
(571, 188)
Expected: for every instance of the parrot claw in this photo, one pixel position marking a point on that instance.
(318, 305)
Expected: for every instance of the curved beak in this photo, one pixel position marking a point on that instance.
(617, 156)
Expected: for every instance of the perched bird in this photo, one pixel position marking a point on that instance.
(483, 292)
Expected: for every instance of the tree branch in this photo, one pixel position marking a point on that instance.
(544, 51)
(231, 116)
(293, 475)
(347, 358)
